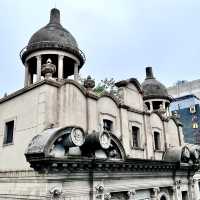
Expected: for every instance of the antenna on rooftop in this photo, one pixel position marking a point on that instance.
(55, 4)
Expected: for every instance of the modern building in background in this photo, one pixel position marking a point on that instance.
(182, 88)
(59, 140)
(187, 109)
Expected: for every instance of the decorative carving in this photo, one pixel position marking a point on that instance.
(107, 196)
(131, 194)
(35, 145)
(56, 193)
(161, 109)
(75, 138)
(105, 140)
(99, 191)
(89, 83)
(48, 69)
(154, 192)
(185, 156)
(178, 184)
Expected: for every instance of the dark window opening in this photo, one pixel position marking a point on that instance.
(163, 197)
(156, 105)
(167, 105)
(9, 128)
(157, 140)
(135, 134)
(148, 105)
(199, 186)
(184, 195)
(107, 125)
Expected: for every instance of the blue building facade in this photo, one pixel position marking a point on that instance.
(187, 109)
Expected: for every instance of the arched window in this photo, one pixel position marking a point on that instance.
(163, 197)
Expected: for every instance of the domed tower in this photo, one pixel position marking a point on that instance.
(155, 93)
(52, 43)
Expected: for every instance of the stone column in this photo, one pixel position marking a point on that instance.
(163, 104)
(39, 65)
(27, 76)
(30, 78)
(151, 106)
(76, 71)
(60, 67)
(196, 189)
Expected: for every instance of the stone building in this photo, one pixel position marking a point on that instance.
(60, 140)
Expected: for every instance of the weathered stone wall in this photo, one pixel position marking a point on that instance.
(77, 186)
(31, 114)
(47, 106)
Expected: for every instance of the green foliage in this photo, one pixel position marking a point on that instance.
(106, 85)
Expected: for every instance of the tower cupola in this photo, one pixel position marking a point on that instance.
(52, 42)
(155, 94)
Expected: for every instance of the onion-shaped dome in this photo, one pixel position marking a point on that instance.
(152, 88)
(53, 36)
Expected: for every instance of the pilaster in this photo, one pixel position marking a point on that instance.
(39, 65)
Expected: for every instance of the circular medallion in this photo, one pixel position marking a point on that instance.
(77, 136)
(104, 139)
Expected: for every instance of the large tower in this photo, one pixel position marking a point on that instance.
(54, 45)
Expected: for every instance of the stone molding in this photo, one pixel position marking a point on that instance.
(87, 165)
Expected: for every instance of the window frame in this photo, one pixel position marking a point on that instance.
(5, 131)
(107, 116)
(159, 141)
(137, 137)
(111, 123)
(140, 138)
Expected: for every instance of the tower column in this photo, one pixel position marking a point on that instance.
(39, 65)
(60, 67)
(163, 104)
(27, 75)
(76, 71)
(151, 105)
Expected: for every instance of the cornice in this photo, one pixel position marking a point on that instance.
(91, 165)
(31, 87)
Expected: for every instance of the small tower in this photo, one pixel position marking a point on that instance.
(155, 95)
(52, 42)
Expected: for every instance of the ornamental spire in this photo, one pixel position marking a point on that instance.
(55, 16)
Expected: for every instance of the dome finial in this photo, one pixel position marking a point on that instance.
(149, 73)
(55, 16)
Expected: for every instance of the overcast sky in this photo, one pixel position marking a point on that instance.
(119, 37)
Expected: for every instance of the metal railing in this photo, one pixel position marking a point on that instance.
(53, 44)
